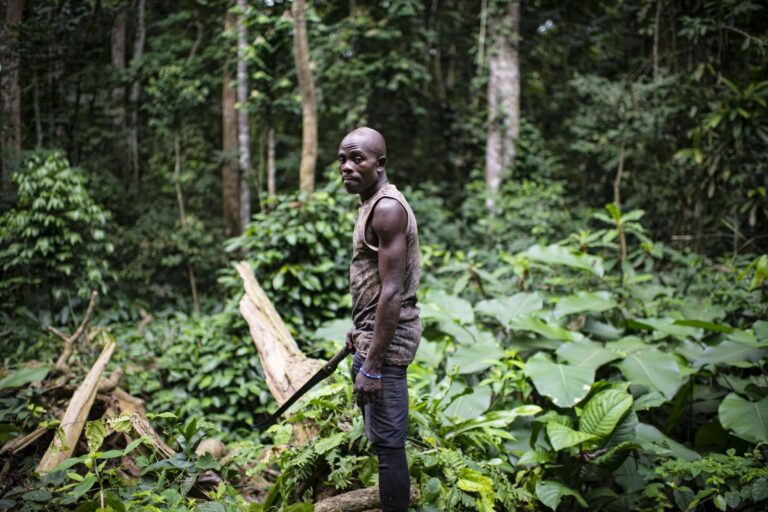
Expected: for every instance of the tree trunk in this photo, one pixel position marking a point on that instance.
(230, 169)
(36, 110)
(10, 91)
(182, 214)
(118, 91)
(133, 135)
(243, 137)
(271, 191)
(308, 100)
(503, 97)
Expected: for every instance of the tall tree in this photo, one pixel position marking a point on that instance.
(308, 100)
(10, 133)
(230, 188)
(243, 136)
(133, 134)
(503, 95)
(117, 37)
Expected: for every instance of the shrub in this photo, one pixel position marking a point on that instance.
(55, 236)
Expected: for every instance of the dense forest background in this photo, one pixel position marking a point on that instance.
(588, 174)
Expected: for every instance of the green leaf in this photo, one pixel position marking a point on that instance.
(654, 370)
(748, 420)
(604, 411)
(84, 486)
(471, 480)
(561, 437)
(559, 255)
(550, 492)
(564, 384)
(95, 431)
(586, 354)
(729, 352)
(24, 376)
(474, 358)
(546, 329)
(667, 326)
(494, 419)
(470, 405)
(325, 444)
(584, 302)
(507, 309)
(710, 326)
(649, 434)
(442, 307)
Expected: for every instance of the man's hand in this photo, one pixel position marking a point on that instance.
(366, 390)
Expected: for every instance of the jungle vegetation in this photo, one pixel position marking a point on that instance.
(589, 180)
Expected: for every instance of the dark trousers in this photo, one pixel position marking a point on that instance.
(386, 426)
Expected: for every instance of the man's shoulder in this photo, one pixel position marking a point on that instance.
(390, 214)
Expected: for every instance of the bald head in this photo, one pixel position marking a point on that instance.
(368, 138)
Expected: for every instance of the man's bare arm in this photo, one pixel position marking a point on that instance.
(389, 222)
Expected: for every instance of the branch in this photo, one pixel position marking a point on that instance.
(69, 341)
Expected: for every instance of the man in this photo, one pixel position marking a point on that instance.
(384, 276)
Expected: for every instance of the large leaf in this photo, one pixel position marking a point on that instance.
(649, 434)
(558, 255)
(748, 420)
(564, 384)
(585, 353)
(474, 358)
(506, 309)
(24, 376)
(729, 352)
(546, 329)
(493, 419)
(550, 492)
(561, 437)
(468, 405)
(442, 307)
(654, 370)
(667, 327)
(585, 302)
(604, 411)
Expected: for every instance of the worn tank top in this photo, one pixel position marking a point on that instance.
(365, 285)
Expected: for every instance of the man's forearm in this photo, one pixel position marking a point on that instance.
(387, 316)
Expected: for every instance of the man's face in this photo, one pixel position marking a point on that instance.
(358, 166)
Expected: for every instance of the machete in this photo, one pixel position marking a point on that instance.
(321, 374)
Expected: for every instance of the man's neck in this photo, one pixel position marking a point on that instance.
(371, 191)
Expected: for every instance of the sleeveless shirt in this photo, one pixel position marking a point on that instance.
(365, 285)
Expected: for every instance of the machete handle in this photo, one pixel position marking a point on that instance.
(333, 363)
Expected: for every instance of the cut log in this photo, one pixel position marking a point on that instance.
(358, 500)
(286, 367)
(73, 421)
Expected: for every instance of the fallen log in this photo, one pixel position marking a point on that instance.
(286, 367)
(358, 500)
(73, 421)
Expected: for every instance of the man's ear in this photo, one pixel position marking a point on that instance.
(382, 162)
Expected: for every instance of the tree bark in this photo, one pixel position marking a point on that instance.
(503, 97)
(10, 133)
(230, 169)
(308, 100)
(133, 135)
(182, 213)
(358, 500)
(243, 137)
(271, 190)
(73, 421)
(118, 91)
(286, 368)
